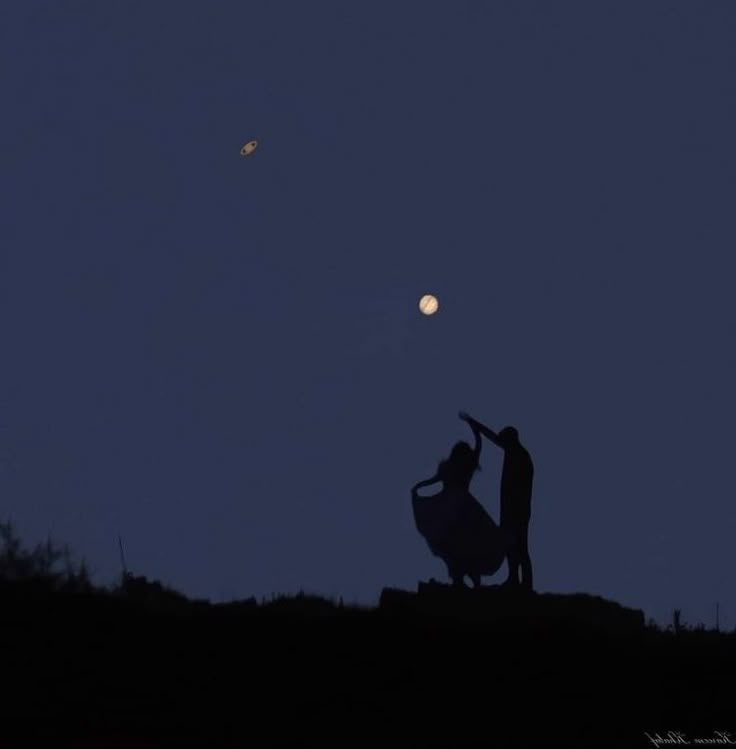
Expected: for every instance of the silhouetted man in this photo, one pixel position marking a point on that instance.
(516, 498)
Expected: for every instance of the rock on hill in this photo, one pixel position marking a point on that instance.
(514, 608)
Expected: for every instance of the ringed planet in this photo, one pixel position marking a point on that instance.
(248, 148)
(428, 304)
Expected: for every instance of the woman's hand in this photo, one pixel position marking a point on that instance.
(426, 482)
(472, 423)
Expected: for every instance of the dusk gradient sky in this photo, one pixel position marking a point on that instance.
(221, 358)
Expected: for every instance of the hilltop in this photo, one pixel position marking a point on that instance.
(438, 664)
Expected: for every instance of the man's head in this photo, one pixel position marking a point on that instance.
(508, 436)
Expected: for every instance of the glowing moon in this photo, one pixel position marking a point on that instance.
(248, 148)
(428, 304)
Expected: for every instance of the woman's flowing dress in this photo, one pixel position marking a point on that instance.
(458, 529)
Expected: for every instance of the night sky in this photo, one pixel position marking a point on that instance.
(221, 358)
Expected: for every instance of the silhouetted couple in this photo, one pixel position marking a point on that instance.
(457, 527)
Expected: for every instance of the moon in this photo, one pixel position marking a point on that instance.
(248, 148)
(428, 304)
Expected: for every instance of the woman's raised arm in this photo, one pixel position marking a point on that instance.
(475, 426)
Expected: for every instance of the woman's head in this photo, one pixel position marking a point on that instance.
(460, 466)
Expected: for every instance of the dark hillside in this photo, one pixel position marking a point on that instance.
(441, 665)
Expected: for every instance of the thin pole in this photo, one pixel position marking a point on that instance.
(122, 556)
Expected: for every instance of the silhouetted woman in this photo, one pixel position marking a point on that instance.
(454, 524)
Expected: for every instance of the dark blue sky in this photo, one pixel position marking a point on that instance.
(221, 358)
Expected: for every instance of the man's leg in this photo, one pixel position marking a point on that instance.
(512, 557)
(525, 559)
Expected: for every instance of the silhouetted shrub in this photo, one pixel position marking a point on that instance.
(302, 603)
(47, 564)
(152, 594)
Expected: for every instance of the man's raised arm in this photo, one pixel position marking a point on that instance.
(482, 428)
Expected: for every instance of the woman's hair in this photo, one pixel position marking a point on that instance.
(460, 466)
